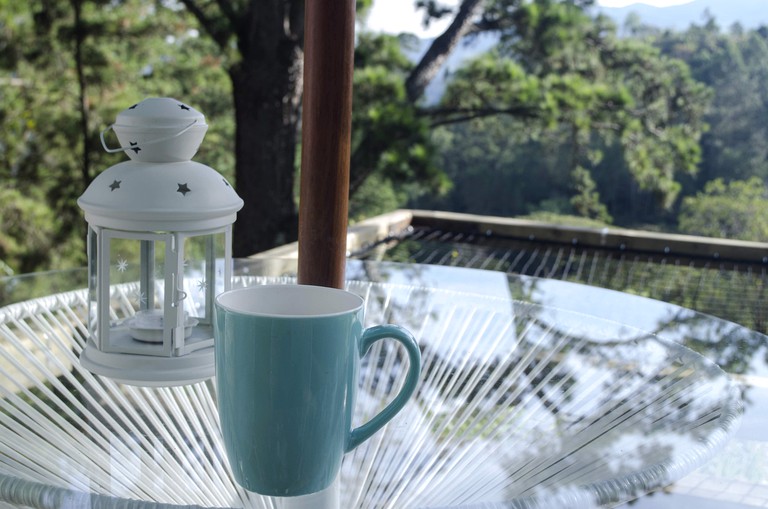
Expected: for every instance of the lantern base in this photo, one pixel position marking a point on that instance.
(147, 370)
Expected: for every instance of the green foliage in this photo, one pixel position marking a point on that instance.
(734, 65)
(493, 172)
(393, 157)
(40, 156)
(68, 67)
(586, 201)
(375, 196)
(492, 84)
(561, 116)
(27, 236)
(578, 91)
(564, 220)
(737, 210)
(362, 6)
(662, 141)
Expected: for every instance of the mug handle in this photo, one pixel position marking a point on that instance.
(359, 435)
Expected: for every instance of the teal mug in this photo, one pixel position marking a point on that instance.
(287, 363)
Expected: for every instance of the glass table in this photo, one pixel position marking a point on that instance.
(534, 393)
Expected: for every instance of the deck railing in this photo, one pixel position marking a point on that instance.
(723, 277)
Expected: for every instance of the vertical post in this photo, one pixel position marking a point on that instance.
(326, 136)
(209, 284)
(147, 276)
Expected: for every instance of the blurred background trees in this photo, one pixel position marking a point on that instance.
(736, 210)
(558, 111)
(67, 68)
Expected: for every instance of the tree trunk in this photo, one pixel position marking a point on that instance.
(267, 87)
(82, 85)
(441, 48)
(415, 84)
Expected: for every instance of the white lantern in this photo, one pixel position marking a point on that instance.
(159, 250)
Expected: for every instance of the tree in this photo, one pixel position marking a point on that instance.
(28, 227)
(568, 78)
(261, 45)
(119, 52)
(392, 151)
(67, 68)
(734, 65)
(736, 210)
(249, 62)
(43, 170)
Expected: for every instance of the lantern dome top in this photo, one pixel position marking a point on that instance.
(159, 112)
(176, 196)
(158, 130)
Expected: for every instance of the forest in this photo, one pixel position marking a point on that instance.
(567, 117)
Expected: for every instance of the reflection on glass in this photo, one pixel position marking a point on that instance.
(519, 405)
(537, 404)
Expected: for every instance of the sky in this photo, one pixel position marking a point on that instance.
(395, 16)
(655, 3)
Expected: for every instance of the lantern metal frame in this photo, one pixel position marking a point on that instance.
(180, 357)
(174, 340)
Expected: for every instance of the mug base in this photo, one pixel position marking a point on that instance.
(327, 498)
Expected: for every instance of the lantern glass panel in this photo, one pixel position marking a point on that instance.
(138, 317)
(203, 274)
(137, 270)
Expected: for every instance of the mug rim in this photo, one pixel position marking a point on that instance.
(351, 304)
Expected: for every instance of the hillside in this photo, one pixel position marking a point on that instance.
(750, 13)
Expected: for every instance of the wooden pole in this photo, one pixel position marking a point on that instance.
(326, 136)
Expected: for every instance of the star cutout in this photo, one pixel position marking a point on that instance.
(122, 264)
(141, 297)
(115, 185)
(134, 146)
(202, 285)
(183, 189)
(184, 107)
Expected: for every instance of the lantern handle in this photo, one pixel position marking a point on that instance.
(179, 295)
(148, 142)
(182, 295)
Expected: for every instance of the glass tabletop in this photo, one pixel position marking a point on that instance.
(534, 393)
